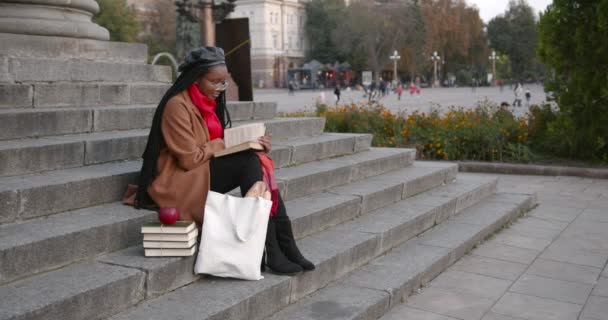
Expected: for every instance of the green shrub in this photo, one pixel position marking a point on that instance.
(119, 19)
(484, 133)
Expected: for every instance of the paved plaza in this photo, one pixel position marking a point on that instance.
(431, 98)
(548, 265)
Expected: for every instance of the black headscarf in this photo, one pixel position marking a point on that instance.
(196, 64)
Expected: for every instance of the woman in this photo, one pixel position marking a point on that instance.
(179, 168)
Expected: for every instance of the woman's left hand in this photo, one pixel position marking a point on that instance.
(266, 142)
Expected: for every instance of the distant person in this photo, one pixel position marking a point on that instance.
(291, 88)
(337, 94)
(501, 85)
(372, 91)
(518, 92)
(399, 91)
(412, 88)
(528, 97)
(383, 88)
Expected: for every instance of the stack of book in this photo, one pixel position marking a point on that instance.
(174, 240)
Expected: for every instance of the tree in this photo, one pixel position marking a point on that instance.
(119, 19)
(322, 17)
(413, 56)
(372, 31)
(515, 35)
(573, 46)
(455, 31)
(161, 22)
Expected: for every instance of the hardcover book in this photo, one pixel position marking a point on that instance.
(170, 244)
(171, 236)
(242, 138)
(178, 227)
(162, 252)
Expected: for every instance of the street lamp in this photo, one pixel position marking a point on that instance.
(435, 59)
(494, 58)
(395, 57)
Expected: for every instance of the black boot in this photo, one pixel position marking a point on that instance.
(288, 243)
(275, 259)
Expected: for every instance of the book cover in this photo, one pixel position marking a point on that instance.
(170, 252)
(178, 227)
(171, 236)
(242, 138)
(170, 244)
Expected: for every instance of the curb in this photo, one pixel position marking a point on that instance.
(532, 169)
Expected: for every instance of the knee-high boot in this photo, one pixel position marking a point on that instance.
(275, 259)
(288, 245)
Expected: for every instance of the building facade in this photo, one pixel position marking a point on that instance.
(278, 40)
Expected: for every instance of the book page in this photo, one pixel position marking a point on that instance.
(245, 133)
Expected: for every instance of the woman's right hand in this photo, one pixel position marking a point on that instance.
(217, 145)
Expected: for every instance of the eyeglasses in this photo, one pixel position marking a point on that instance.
(218, 85)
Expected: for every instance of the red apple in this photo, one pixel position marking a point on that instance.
(168, 215)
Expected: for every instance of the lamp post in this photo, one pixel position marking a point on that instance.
(395, 57)
(494, 58)
(435, 59)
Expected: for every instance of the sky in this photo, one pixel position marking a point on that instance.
(488, 9)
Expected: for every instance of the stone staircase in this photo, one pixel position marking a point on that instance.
(376, 223)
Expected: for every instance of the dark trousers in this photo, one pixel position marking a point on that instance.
(241, 170)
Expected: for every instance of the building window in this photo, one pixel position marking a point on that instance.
(289, 43)
(275, 41)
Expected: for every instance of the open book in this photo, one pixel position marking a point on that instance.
(242, 138)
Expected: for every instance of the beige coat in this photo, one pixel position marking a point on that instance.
(182, 179)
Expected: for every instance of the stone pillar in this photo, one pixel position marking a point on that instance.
(61, 18)
(207, 25)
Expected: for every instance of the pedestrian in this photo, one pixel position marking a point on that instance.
(372, 91)
(399, 91)
(412, 89)
(291, 88)
(518, 92)
(337, 94)
(528, 97)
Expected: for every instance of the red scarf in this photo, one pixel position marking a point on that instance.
(206, 107)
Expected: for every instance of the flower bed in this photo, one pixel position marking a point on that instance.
(483, 133)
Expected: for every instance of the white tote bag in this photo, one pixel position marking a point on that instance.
(233, 236)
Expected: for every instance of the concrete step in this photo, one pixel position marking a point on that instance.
(41, 47)
(40, 122)
(336, 252)
(373, 290)
(24, 156)
(23, 69)
(311, 177)
(324, 210)
(42, 244)
(39, 243)
(164, 274)
(79, 94)
(30, 196)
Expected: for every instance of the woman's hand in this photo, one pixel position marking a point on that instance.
(217, 144)
(266, 142)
